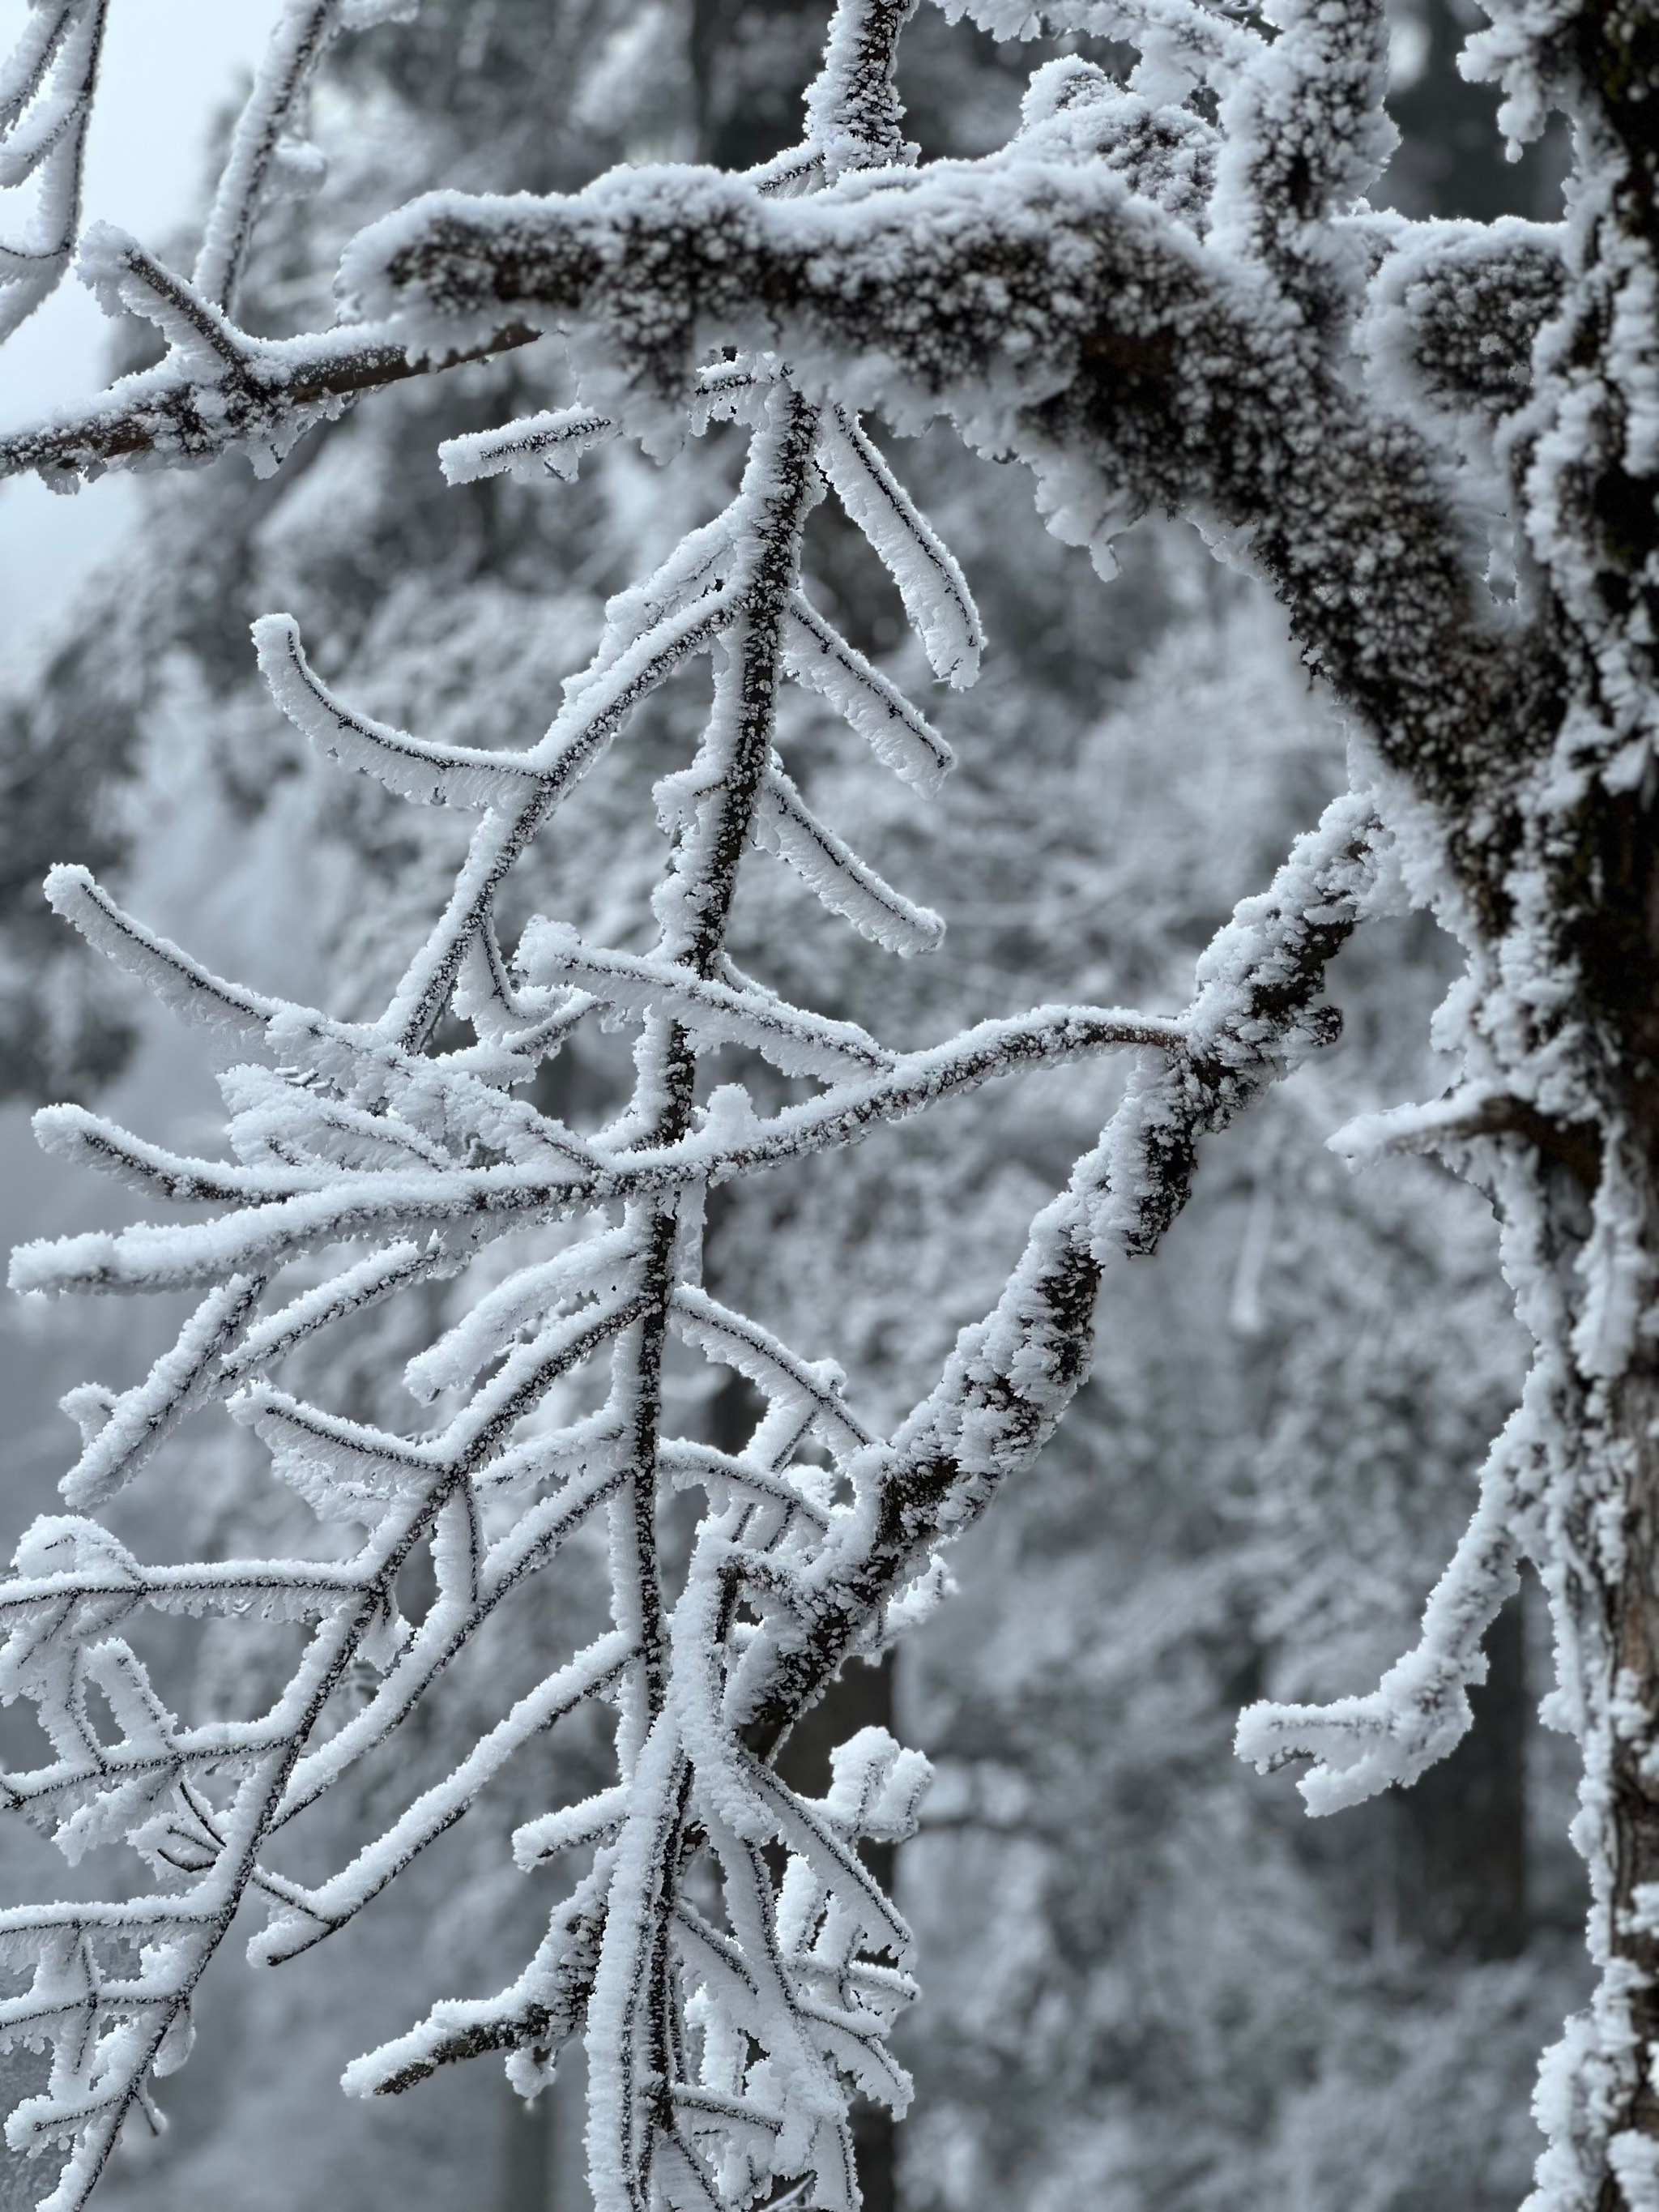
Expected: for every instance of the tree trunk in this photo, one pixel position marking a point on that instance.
(526, 2166)
(1632, 1786)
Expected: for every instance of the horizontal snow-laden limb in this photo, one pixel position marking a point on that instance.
(1052, 310)
(302, 1210)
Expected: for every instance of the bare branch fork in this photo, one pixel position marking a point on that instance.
(219, 388)
(1151, 309)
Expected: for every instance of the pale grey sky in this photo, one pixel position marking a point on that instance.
(168, 64)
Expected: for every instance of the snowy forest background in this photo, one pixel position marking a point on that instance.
(1148, 1981)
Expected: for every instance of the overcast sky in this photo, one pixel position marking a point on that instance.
(169, 65)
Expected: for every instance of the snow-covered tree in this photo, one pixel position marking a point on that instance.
(1167, 292)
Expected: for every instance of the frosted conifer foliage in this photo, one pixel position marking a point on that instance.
(1437, 443)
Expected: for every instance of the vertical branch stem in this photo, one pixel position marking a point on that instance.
(629, 2112)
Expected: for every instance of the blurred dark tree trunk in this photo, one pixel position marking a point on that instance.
(1459, 1856)
(749, 61)
(1451, 163)
(527, 2164)
(1458, 1862)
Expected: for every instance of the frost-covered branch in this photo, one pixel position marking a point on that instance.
(1420, 1710)
(303, 1208)
(1463, 307)
(1047, 307)
(218, 390)
(269, 158)
(47, 86)
(266, 393)
(1257, 1016)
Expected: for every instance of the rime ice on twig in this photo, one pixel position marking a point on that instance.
(47, 86)
(268, 157)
